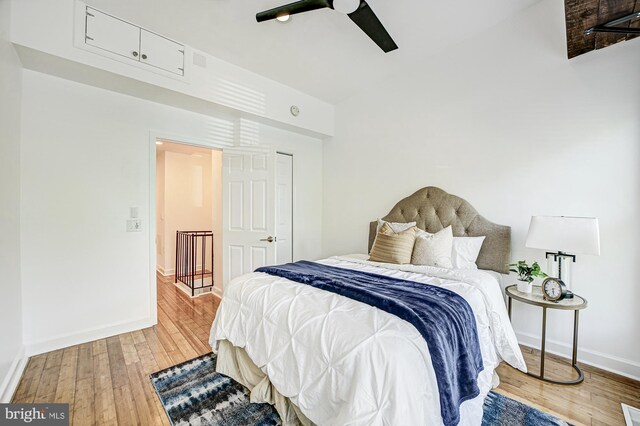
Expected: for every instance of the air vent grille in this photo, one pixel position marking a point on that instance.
(199, 60)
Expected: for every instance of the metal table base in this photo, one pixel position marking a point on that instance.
(574, 354)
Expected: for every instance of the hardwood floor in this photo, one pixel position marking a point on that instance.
(106, 381)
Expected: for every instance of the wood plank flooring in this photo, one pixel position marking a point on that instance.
(106, 382)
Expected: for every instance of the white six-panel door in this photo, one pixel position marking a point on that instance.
(248, 217)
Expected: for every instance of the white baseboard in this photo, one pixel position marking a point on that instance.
(165, 272)
(11, 381)
(624, 367)
(170, 271)
(64, 341)
(216, 291)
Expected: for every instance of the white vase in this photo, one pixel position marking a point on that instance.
(525, 287)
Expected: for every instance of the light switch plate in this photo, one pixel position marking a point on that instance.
(134, 225)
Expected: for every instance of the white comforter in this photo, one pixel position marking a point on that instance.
(344, 362)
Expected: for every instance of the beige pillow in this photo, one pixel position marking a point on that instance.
(433, 249)
(391, 247)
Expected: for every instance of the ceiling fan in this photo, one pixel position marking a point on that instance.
(358, 10)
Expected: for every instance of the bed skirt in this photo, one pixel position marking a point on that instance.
(235, 363)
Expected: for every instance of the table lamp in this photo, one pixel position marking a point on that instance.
(566, 235)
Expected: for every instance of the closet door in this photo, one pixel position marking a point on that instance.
(161, 52)
(112, 34)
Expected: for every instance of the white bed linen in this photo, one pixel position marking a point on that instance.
(344, 362)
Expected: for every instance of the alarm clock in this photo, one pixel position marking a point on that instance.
(555, 289)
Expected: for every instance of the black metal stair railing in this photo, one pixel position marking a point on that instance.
(192, 251)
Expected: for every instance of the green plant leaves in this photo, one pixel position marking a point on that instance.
(526, 272)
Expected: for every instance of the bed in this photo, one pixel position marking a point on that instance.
(322, 358)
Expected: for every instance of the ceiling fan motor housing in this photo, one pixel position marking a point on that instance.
(357, 10)
(346, 6)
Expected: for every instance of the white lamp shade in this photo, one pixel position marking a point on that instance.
(575, 235)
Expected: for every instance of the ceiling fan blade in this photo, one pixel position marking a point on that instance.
(371, 25)
(292, 9)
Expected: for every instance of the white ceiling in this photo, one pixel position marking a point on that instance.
(321, 52)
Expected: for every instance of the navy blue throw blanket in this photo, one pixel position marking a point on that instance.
(443, 318)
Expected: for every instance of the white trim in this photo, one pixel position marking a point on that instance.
(12, 379)
(627, 410)
(153, 254)
(171, 271)
(216, 292)
(164, 272)
(67, 340)
(624, 367)
(187, 290)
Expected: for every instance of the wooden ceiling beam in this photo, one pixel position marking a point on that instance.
(610, 10)
(584, 14)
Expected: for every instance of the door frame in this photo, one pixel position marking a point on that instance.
(293, 192)
(155, 135)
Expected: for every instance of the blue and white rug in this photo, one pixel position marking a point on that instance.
(193, 394)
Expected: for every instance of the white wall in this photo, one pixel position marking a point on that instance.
(86, 160)
(47, 28)
(11, 347)
(188, 205)
(507, 122)
(307, 183)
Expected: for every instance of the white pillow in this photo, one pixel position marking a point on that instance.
(433, 249)
(466, 251)
(396, 227)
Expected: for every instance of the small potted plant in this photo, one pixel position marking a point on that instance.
(526, 274)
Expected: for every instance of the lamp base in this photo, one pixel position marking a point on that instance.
(558, 257)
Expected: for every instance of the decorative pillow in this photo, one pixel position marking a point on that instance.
(433, 249)
(396, 226)
(466, 251)
(392, 247)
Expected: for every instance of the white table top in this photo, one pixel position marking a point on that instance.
(536, 298)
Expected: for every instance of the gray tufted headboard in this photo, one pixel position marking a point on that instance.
(433, 209)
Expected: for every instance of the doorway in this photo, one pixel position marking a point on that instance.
(189, 216)
(247, 216)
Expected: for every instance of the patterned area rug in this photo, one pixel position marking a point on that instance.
(192, 393)
(503, 411)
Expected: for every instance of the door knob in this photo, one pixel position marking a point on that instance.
(269, 239)
(135, 54)
(143, 56)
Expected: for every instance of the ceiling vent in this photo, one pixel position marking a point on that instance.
(199, 60)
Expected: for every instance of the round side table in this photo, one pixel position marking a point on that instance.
(536, 298)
